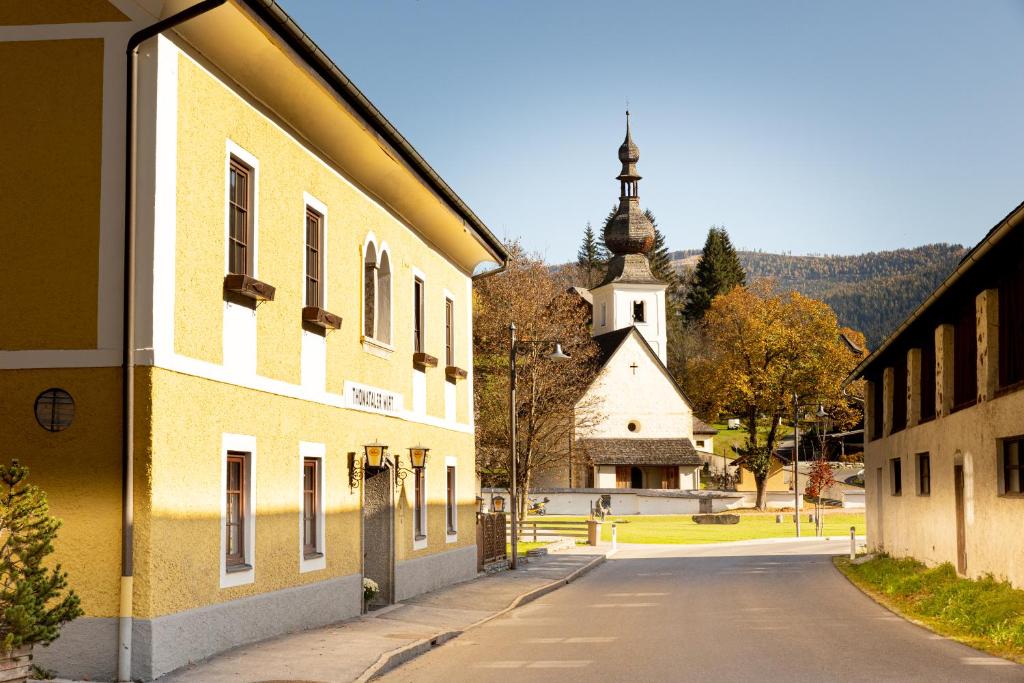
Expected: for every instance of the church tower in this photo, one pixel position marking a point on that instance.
(630, 294)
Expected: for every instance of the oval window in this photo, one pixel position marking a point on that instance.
(55, 409)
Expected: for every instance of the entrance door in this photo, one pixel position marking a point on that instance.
(961, 540)
(880, 492)
(636, 478)
(378, 533)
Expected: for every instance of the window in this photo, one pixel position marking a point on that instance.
(899, 393)
(604, 314)
(638, 311)
(924, 474)
(235, 519)
(965, 356)
(419, 505)
(417, 315)
(1013, 467)
(450, 510)
(310, 507)
(314, 258)
(377, 295)
(700, 443)
(449, 332)
(928, 377)
(896, 476)
(240, 230)
(633, 426)
(1011, 326)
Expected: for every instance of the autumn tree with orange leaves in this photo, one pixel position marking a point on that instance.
(764, 347)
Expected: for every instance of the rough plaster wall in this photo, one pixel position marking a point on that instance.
(924, 527)
(648, 396)
(434, 571)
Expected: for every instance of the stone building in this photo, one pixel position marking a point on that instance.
(945, 418)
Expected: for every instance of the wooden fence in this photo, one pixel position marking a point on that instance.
(540, 529)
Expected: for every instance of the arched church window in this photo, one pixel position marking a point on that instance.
(638, 312)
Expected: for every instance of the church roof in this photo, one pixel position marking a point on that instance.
(641, 451)
(609, 342)
(702, 427)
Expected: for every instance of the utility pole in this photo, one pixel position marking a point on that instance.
(512, 442)
(796, 457)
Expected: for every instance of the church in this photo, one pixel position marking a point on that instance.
(634, 427)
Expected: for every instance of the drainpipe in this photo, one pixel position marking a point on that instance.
(124, 626)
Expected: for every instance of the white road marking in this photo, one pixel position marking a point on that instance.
(559, 664)
(634, 595)
(625, 604)
(985, 661)
(592, 639)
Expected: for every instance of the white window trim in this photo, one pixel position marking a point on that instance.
(371, 344)
(316, 451)
(452, 461)
(420, 543)
(234, 150)
(311, 202)
(448, 296)
(245, 444)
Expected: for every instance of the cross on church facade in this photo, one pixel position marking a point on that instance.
(633, 367)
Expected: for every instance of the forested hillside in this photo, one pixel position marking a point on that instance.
(871, 292)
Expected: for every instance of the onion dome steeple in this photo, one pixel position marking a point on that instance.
(629, 234)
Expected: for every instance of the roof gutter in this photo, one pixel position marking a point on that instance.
(986, 245)
(297, 39)
(125, 607)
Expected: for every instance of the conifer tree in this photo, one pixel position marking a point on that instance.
(591, 257)
(718, 271)
(659, 257)
(34, 600)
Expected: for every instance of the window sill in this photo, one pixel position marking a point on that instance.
(318, 317)
(1018, 496)
(455, 373)
(248, 287)
(423, 360)
(452, 536)
(963, 406)
(312, 556)
(419, 542)
(237, 568)
(377, 348)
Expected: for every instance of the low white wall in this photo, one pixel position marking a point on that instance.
(853, 499)
(774, 500)
(626, 501)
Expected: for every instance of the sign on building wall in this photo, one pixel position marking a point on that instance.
(373, 399)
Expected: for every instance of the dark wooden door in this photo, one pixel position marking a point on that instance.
(961, 539)
(636, 478)
(622, 476)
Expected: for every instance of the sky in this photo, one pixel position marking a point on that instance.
(808, 127)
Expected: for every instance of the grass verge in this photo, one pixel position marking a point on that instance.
(984, 613)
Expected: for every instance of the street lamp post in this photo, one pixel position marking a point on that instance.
(513, 420)
(796, 457)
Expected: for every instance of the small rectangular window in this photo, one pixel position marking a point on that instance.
(314, 258)
(234, 547)
(1013, 467)
(449, 332)
(604, 314)
(924, 474)
(310, 506)
(896, 476)
(417, 315)
(450, 500)
(240, 228)
(419, 505)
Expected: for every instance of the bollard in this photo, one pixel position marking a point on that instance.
(615, 540)
(810, 517)
(778, 519)
(853, 543)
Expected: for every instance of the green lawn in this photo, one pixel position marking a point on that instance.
(727, 438)
(682, 528)
(985, 614)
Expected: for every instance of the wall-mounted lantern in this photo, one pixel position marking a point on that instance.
(375, 453)
(418, 460)
(374, 457)
(418, 456)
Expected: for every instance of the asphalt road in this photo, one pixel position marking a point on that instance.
(756, 612)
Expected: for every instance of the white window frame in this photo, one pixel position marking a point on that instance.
(247, 158)
(243, 443)
(420, 543)
(371, 344)
(311, 202)
(418, 274)
(452, 461)
(309, 450)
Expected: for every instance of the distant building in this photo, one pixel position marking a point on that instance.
(303, 289)
(944, 458)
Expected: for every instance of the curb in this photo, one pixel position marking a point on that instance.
(394, 658)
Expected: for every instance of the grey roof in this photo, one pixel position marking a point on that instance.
(630, 269)
(702, 427)
(640, 451)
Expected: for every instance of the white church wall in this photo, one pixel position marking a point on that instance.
(622, 394)
(604, 477)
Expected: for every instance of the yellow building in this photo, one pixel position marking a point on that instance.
(301, 289)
